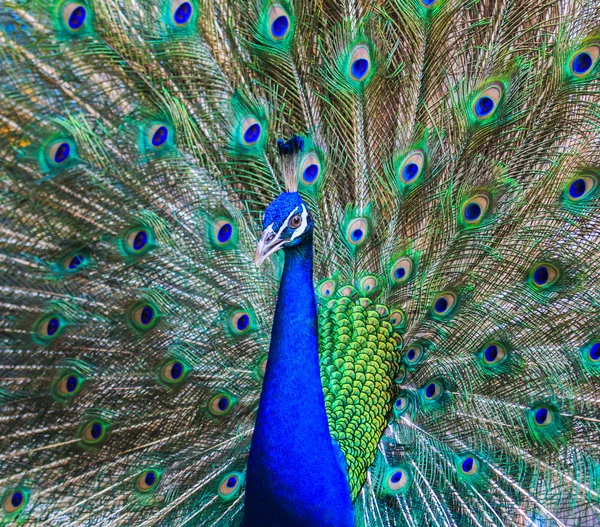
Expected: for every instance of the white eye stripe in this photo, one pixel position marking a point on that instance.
(300, 230)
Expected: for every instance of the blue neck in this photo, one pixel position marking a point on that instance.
(294, 473)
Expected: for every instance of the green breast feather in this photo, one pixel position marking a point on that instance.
(360, 353)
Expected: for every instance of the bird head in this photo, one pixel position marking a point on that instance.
(287, 223)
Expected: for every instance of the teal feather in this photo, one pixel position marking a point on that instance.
(137, 156)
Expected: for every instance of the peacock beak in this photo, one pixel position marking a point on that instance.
(269, 243)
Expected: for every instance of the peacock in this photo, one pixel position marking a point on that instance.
(309, 263)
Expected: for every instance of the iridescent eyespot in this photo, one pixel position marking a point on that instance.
(400, 405)
(414, 354)
(397, 479)
(240, 322)
(581, 187)
(412, 167)
(396, 318)
(74, 16)
(59, 152)
(138, 241)
(594, 352)
(493, 353)
(486, 103)
(401, 270)
(469, 466)
(144, 316)
(230, 485)
(543, 416)
(148, 481)
(432, 391)
(544, 275)
(223, 232)
(74, 262)
(368, 285)
(93, 432)
(181, 12)
(279, 23)
(310, 169)
(360, 64)
(251, 131)
(173, 372)
(68, 386)
(220, 405)
(429, 3)
(158, 136)
(14, 501)
(443, 304)
(327, 288)
(49, 327)
(474, 209)
(584, 61)
(357, 231)
(348, 290)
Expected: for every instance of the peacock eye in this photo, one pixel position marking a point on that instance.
(220, 405)
(93, 432)
(148, 481)
(74, 16)
(59, 152)
(144, 316)
(173, 372)
(543, 416)
(14, 501)
(432, 391)
(544, 275)
(68, 386)
(583, 61)
(279, 23)
(469, 466)
(138, 241)
(230, 485)
(397, 480)
(181, 12)
(295, 221)
(360, 64)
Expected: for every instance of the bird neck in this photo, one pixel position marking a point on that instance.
(294, 471)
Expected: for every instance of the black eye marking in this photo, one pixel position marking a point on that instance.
(295, 221)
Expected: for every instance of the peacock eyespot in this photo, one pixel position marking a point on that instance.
(310, 169)
(230, 485)
(397, 479)
(158, 136)
(427, 4)
(368, 285)
(173, 372)
(59, 152)
(401, 405)
(327, 288)
(74, 16)
(251, 131)
(581, 187)
(412, 167)
(544, 275)
(148, 481)
(144, 316)
(474, 209)
(401, 270)
(223, 233)
(49, 327)
(486, 104)
(432, 391)
(279, 23)
(14, 501)
(74, 262)
(396, 318)
(138, 241)
(68, 386)
(543, 416)
(360, 64)
(94, 432)
(414, 354)
(493, 353)
(220, 405)
(240, 322)
(444, 303)
(181, 12)
(594, 353)
(469, 466)
(584, 61)
(357, 231)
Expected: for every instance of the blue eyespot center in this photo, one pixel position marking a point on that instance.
(77, 17)
(356, 235)
(595, 352)
(577, 188)
(441, 305)
(231, 482)
(484, 106)
(140, 240)
(75, 262)
(396, 477)
(252, 134)
(147, 315)
(430, 390)
(491, 353)
(400, 273)
(280, 26)
(472, 211)
(541, 416)
(582, 62)
(243, 322)
(150, 478)
(467, 464)
(399, 403)
(310, 173)
(183, 13)
(225, 232)
(62, 153)
(410, 171)
(72, 383)
(359, 68)
(52, 327)
(96, 430)
(411, 354)
(17, 499)
(223, 403)
(541, 275)
(176, 370)
(161, 135)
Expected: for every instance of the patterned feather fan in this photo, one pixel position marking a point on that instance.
(451, 163)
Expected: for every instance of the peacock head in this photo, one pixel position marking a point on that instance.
(287, 223)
